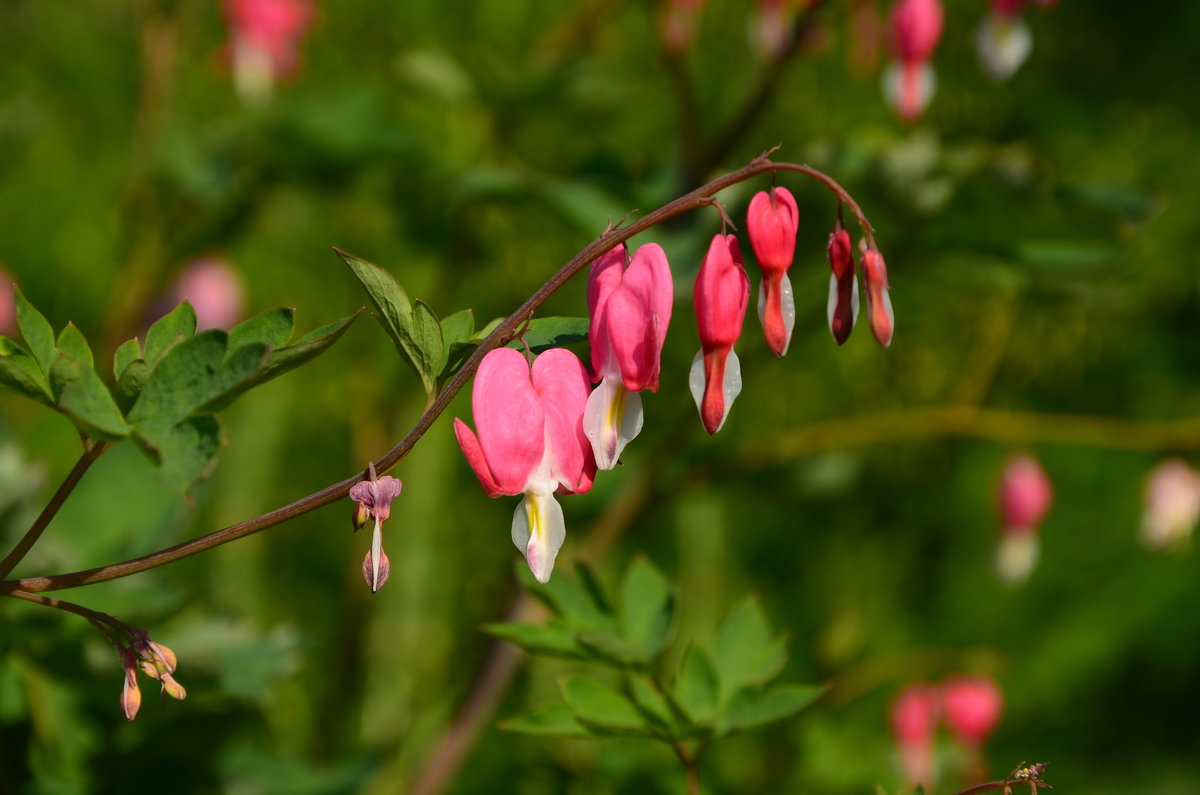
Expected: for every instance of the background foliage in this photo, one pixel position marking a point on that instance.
(1039, 235)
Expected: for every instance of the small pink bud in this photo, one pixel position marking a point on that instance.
(358, 519)
(173, 688)
(721, 293)
(771, 224)
(842, 307)
(131, 694)
(915, 715)
(1024, 495)
(879, 301)
(214, 290)
(972, 708)
(1172, 505)
(376, 576)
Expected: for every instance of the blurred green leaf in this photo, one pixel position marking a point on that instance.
(555, 720)
(194, 375)
(697, 686)
(600, 707)
(746, 651)
(753, 706)
(288, 358)
(568, 597)
(553, 639)
(128, 352)
(36, 332)
(185, 452)
(273, 327)
(72, 343)
(21, 373)
(646, 606)
(132, 381)
(652, 705)
(612, 648)
(174, 327)
(85, 400)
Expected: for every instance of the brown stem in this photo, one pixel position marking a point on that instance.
(502, 334)
(691, 767)
(1006, 784)
(86, 459)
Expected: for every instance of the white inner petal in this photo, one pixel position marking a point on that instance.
(732, 386)
(611, 418)
(538, 530)
(696, 379)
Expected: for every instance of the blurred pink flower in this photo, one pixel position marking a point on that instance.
(909, 82)
(842, 306)
(214, 290)
(720, 296)
(8, 307)
(1024, 498)
(972, 707)
(1172, 505)
(264, 42)
(915, 714)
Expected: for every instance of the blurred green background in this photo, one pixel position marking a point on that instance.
(1040, 235)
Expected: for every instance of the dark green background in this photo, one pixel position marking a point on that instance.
(1041, 239)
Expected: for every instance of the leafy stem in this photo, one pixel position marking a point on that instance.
(91, 452)
(501, 335)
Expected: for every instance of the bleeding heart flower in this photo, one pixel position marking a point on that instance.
(842, 307)
(909, 81)
(630, 310)
(374, 501)
(915, 714)
(264, 42)
(721, 294)
(879, 301)
(1024, 497)
(771, 224)
(530, 441)
(972, 707)
(1172, 505)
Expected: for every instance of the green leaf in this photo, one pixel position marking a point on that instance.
(392, 305)
(544, 333)
(697, 687)
(552, 639)
(174, 327)
(72, 343)
(85, 400)
(128, 352)
(652, 705)
(36, 332)
(424, 344)
(20, 372)
(572, 600)
(746, 651)
(273, 327)
(753, 706)
(458, 327)
(483, 333)
(600, 707)
(193, 376)
(132, 381)
(646, 606)
(555, 720)
(184, 452)
(611, 648)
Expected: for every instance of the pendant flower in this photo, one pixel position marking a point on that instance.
(879, 301)
(721, 293)
(909, 81)
(842, 308)
(630, 310)
(1024, 498)
(771, 223)
(530, 441)
(374, 498)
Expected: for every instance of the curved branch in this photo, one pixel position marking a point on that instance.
(502, 334)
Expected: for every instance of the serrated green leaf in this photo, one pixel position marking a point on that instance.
(194, 376)
(170, 329)
(554, 720)
(184, 452)
(424, 344)
(36, 332)
(552, 639)
(569, 598)
(128, 352)
(697, 687)
(752, 706)
(71, 342)
(746, 651)
(458, 327)
(20, 372)
(544, 333)
(600, 707)
(653, 706)
(85, 400)
(273, 327)
(611, 648)
(131, 383)
(646, 607)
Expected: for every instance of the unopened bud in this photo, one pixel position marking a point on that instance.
(376, 576)
(842, 307)
(173, 688)
(360, 516)
(131, 694)
(879, 301)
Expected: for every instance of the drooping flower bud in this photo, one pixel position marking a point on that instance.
(1172, 505)
(771, 224)
(721, 293)
(375, 495)
(358, 519)
(1024, 497)
(842, 307)
(972, 708)
(909, 82)
(173, 688)
(915, 715)
(879, 301)
(131, 694)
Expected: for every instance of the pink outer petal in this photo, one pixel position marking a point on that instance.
(561, 382)
(771, 227)
(721, 293)
(603, 277)
(509, 419)
(916, 27)
(637, 315)
(474, 454)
